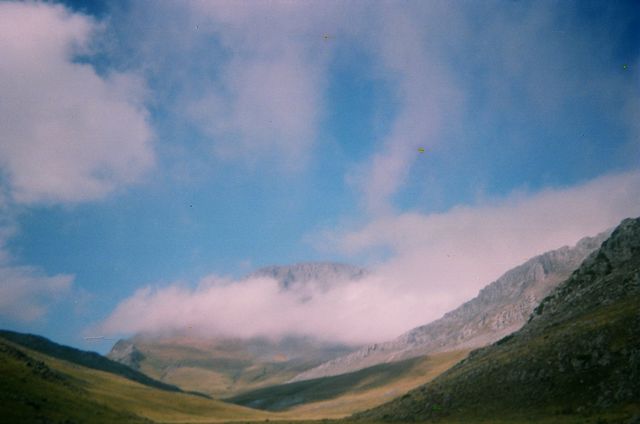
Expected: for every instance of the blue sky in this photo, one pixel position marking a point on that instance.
(161, 146)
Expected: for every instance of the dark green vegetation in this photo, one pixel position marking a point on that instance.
(576, 360)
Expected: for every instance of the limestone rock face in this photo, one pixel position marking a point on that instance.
(500, 308)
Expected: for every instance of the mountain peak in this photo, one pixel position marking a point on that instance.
(322, 273)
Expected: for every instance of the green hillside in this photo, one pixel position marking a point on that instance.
(577, 360)
(37, 388)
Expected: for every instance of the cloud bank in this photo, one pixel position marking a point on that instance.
(68, 133)
(438, 261)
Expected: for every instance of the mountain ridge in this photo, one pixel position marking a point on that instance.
(500, 308)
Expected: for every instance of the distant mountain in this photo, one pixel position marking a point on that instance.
(499, 309)
(576, 360)
(222, 367)
(226, 366)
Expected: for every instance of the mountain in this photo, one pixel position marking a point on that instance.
(36, 387)
(499, 309)
(223, 367)
(576, 360)
(320, 274)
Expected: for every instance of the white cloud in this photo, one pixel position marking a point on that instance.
(67, 134)
(271, 109)
(259, 307)
(266, 101)
(438, 261)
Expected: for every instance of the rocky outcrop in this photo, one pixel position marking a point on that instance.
(500, 308)
(126, 352)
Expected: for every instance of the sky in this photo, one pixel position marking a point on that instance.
(154, 153)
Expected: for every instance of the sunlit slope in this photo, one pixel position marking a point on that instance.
(39, 388)
(577, 359)
(341, 395)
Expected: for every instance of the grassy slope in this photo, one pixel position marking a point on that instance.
(34, 386)
(339, 396)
